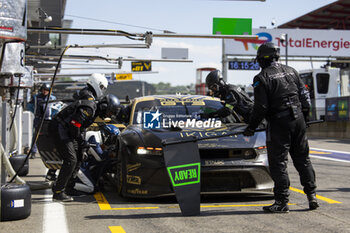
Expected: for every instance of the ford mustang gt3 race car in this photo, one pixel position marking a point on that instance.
(227, 164)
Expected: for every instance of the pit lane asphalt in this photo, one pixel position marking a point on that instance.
(106, 212)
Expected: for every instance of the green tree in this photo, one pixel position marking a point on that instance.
(168, 89)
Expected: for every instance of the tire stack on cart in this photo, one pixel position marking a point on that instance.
(15, 199)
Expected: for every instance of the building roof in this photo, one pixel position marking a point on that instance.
(332, 16)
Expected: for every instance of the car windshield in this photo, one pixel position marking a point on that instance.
(179, 109)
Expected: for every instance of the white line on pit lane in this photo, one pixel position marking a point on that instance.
(54, 218)
(327, 158)
(336, 151)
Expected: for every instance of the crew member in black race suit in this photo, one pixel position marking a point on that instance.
(281, 97)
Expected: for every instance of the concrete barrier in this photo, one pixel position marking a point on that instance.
(330, 129)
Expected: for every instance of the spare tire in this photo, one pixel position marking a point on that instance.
(17, 161)
(16, 201)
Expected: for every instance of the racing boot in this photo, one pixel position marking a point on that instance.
(61, 196)
(313, 204)
(74, 193)
(277, 207)
(32, 155)
(51, 175)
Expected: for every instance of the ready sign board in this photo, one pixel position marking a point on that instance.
(301, 42)
(184, 174)
(182, 161)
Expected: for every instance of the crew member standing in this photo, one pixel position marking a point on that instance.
(281, 97)
(37, 106)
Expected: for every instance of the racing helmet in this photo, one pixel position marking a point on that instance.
(99, 83)
(268, 51)
(45, 87)
(111, 129)
(109, 133)
(213, 78)
(108, 106)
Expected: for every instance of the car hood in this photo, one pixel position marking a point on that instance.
(208, 138)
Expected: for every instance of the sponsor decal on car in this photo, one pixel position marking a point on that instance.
(133, 179)
(137, 191)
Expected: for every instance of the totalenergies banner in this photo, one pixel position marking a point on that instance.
(301, 42)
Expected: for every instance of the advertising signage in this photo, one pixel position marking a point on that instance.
(141, 66)
(337, 108)
(301, 42)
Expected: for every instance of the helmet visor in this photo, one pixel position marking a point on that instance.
(214, 87)
(103, 88)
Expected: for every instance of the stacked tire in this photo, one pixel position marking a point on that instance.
(17, 161)
(16, 201)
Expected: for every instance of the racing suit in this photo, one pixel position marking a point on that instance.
(235, 99)
(69, 127)
(282, 98)
(84, 94)
(92, 168)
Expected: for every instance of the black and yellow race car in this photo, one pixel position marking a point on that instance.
(227, 164)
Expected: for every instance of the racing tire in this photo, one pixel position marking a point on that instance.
(16, 201)
(120, 174)
(119, 179)
(17, 161)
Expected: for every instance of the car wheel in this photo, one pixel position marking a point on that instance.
(120, 174)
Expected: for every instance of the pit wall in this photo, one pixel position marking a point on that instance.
(330, 129)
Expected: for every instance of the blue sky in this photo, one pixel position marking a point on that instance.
(181, 16)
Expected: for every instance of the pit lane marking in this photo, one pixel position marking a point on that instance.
(54, 217)
(246, 205)
(104, 205)
(328, 200)
(333, 155)
(116, 229)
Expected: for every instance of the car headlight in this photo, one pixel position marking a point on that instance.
(249, 154)
(261, 150)
(149, 151)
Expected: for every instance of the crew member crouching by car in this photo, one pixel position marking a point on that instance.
(97, 162)
(69, 128)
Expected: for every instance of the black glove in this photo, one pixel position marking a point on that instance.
(83, 144)
(224, 112)
(248, 132)
(203, 115)
(306, 115)
(84, 147)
